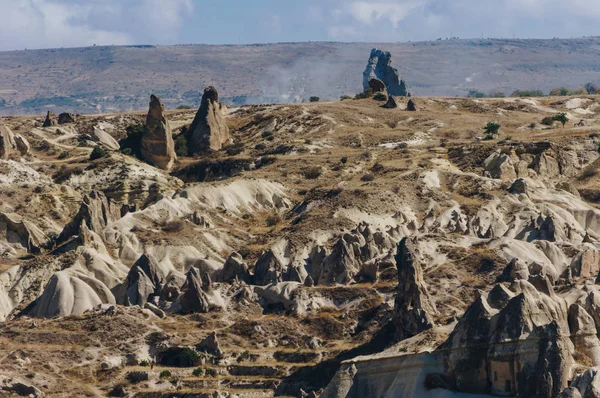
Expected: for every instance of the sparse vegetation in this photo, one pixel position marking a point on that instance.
(368, 93)
(273, 220)
(173, 226)
(312, 173)
(165, 374)
(345, 98)
(527, 93)
(210, 372)
(547, 121)
(198, 372)
(368, 177)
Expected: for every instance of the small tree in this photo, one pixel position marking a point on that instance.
(314, 99)
(491, 130)
(97, 153)
(562, 118)
(590, 88)
(475, 94)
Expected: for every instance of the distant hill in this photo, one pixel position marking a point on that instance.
(106, 79)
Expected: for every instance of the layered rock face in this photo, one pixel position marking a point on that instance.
(412, 309)
(208, 131)
(158, 147)
(380, 67)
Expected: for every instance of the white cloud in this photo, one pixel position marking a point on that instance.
(369, 12)
(70, 23)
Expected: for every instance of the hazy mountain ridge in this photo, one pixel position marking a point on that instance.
(92, 79)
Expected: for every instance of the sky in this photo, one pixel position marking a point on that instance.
(73, 23)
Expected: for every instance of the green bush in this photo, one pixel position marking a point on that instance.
(165, 374)
(345, 98)
(126, 151)
(181, 146)
(491, 129)
(312, 173)
(475, 94)
(548, 121)
(198, 372)
(344, 160)
(367, 177)
(97, 153)
(63, 155)
(144, 364)
(314, 99)
(380, 97)
(133, 141)
(368, 93)
(560, 92)
(210, 372)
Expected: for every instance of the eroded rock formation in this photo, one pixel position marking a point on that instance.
(380, 67)
(412, 310)
(208, 132)
(158, 147)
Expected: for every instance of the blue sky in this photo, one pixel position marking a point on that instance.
(69, 23)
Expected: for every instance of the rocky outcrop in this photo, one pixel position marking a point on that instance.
(234, 269)
(341, 265)
(210, 345)
(158, 147)
(379, 67)
(198, 294)
(96, 211)
(7, 142)
(22, 144)
(49, 121)
(268, 269)
(145, 280)
(412, 309)
(22, 232)
(583, 332)
(208, 132)
(520, 347)
(65, 118)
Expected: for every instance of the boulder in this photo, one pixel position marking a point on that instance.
(500, 165)
(586, 264)
(208, 132)
(8, 143)
(158, 147)
(210, 345)
(391, 103)
(49, 121)
(546, 165)
(412, 307)
(514, 270)
(107, 140)
(65, 118)
(518, 187)
(379, 67)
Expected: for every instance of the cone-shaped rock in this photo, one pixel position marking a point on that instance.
(413, 309)
(208, 131)
(49, 120)
(158, 147)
